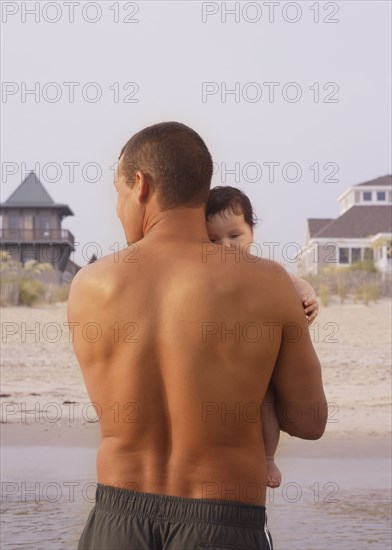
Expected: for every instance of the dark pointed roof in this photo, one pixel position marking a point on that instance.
(32, 194)
(358, 222)
(383, 180)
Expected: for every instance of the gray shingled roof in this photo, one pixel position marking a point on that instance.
(31, 193)
(358, 222)
(382, 180)
(316, 224)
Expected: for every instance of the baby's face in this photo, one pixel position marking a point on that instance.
(229, 229)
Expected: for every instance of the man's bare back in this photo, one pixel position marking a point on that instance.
(178, 339)
(191, 334)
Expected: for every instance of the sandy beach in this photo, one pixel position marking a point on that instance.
(49, 434)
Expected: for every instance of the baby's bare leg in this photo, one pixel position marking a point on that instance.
(271, 433)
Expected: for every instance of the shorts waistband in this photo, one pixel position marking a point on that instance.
(184, 509)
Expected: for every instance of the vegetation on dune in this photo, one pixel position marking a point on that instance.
(24, 284)
(360, 282)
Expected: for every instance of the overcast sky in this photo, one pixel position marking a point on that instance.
(326, 122)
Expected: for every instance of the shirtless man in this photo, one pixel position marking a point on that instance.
(178, 339)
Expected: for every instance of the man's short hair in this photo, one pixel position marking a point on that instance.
(176, 160)
(222, 198)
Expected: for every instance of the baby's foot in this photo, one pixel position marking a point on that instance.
(274, 475)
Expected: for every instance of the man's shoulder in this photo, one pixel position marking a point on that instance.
(269, 268)
(96, 277)
(264, 274)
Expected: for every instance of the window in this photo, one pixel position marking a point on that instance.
(13, 221)
(389, 250)
(368, 254)
(44, 225)
(343, 255)
(355, 255)
(13, 226)
(367, 196)
(381, 195)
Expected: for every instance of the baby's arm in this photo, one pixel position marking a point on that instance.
(308, 297)
(271, 433)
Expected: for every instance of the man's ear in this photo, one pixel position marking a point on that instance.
(144, 187)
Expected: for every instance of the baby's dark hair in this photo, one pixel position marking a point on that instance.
(223, 198)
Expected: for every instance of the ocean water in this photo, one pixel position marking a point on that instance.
(334, 504)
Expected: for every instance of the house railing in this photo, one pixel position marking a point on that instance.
(37, 235)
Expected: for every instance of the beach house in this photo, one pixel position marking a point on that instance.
(32, 229)
(363, 231)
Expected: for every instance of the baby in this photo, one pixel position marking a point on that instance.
(230, 221)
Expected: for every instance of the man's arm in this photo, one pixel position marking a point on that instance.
(87, 308)
(301, 406)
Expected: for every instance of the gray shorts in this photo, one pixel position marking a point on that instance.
(122, 519)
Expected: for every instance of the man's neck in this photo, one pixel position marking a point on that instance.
(182, 223)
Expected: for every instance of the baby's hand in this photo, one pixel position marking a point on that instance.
(311, 307)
